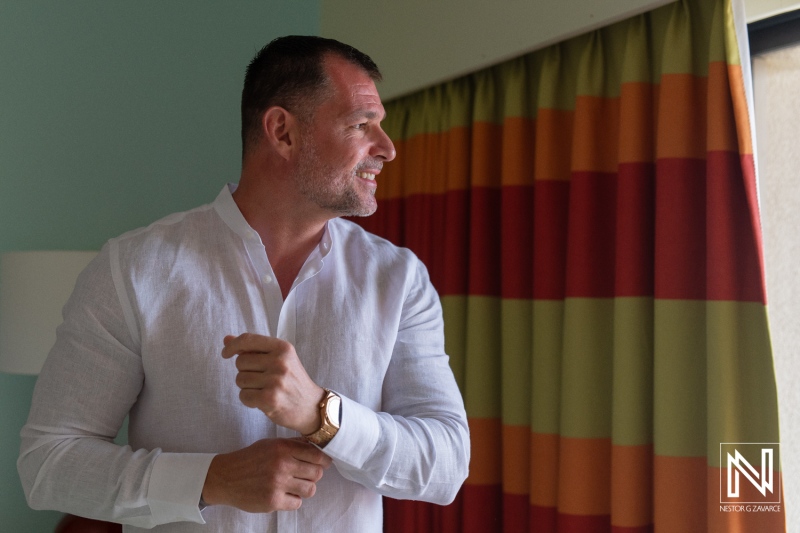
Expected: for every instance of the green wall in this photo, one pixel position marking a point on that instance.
(113, 114)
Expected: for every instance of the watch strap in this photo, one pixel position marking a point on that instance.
(328, 428)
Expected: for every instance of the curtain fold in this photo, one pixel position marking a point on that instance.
(588, 213)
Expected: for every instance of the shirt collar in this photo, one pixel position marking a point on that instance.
(227, 209)
(230, 214)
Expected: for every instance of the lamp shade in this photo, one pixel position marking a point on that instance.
(34, 286)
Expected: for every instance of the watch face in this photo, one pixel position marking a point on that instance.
(332, 410)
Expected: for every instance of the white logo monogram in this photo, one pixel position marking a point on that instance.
(738, 464)
(737, 472)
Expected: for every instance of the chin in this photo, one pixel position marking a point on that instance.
(361, 211)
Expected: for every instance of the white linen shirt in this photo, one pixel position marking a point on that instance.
(142, 335)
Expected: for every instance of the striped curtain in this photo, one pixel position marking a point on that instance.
(589, 216)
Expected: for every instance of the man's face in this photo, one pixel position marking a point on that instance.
(343, 148)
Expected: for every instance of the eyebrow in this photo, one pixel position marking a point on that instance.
(371, 115)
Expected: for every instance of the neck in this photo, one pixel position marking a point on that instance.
(289, 233)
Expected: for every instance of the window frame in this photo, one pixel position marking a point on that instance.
(774, 33)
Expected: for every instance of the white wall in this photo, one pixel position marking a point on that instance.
(777, 107)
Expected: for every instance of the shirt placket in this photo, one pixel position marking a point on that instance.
(287, 330)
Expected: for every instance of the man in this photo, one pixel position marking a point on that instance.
(332, 387)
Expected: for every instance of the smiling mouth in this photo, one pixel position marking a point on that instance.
(366, 175)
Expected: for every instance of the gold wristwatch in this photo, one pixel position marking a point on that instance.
(330, 415)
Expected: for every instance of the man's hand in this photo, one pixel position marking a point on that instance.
(269, 475)
(272, 379)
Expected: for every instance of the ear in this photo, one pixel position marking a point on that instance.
(281, 130)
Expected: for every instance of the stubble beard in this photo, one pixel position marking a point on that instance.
(328, 188)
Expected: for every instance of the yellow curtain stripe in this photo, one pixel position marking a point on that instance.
(547, 344)
(632, 399)
(587, 365)
(741, 385)
(680, 395)
(515, 352)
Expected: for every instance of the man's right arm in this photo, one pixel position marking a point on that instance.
(93, 375)
(92, 378)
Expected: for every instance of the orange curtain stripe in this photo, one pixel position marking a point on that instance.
(721, 123)
(485, 465)
(631, 487)
(518, 151)
(594, 144)
(487, 141)
(516, 460)
(736, 81)
(637, 122)
(682, 117)
(544, 454)
(554, 129)
(584, 466)
(680, 494)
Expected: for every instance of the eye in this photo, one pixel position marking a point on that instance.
(360, 126)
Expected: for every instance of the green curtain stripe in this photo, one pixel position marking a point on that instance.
(522, 78)
(547, 345)
(517, 317)
(593, 70)
(687, 46)
(714, 378)
(716, 41)
(586, 374)
(742, 396)
(679, 57)
(454, 311)
(632, 396)
(637, 62)
(600, 69)
(483, 369)
(488, 100)
(557, 80)
(680, 373)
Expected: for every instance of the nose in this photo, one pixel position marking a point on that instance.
(383, 147)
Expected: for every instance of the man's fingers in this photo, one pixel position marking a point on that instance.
(261, 361)
(287, 502)
(308, 471)
(250, 342)
(302, 488)
(250, 380)
(309, 453)
(254, 398)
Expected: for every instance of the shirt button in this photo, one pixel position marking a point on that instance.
(267, 279)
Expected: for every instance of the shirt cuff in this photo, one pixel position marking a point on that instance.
(357, 436)
(176, 484)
